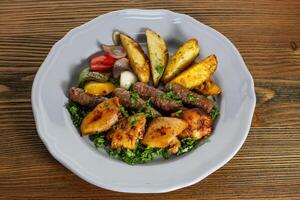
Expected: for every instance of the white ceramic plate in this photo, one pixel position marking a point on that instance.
(60, 70)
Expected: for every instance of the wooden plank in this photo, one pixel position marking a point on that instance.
(267, 33)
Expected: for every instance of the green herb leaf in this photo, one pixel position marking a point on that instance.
(132, 120)
(116, 153)
(149, 113)
(171, 96)
(77, 112)
(165, 153)
(124, 111)
(134, 97)
(178, 113)
(99, 140)
(149, 102)
(114, 81)
(215, 113)
(116, 126)
(159, 68)
(187, 144)
(140, 155)
(192, 98)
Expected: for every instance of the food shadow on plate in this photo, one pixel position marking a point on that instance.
(73, 76)
(173, 43)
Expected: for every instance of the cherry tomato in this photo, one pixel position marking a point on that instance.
(100, 67)
(105, 59)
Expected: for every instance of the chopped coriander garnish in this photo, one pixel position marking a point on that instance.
(148, 102)
(164, 152)
(77, 112)
(134, 97)
(99, 140)
(161, 95)
(179, 101)
(124, 111)
(178, 113)
(149, 113)
(115, 153)
(132, 120)
(115, 126)
(187, 145)
(171, 96)
(114, 81)
(192, 98)
(159, 69)
(215, 112)
(141, 154)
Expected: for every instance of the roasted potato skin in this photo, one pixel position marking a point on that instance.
(158, 54)
(181, 59)
(101, 118)
(208, 88)
(137, 58)
(126, 135)
(197, 73)
(162, 131)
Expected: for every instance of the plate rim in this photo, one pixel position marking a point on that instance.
(62, 159)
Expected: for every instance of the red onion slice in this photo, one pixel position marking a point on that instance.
(114, 51)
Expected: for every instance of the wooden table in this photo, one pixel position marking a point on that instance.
(267, 33)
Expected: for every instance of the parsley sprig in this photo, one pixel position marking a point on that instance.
(171, 96)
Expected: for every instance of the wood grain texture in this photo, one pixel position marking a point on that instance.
(267, 33)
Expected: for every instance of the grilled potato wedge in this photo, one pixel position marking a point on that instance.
(208, 88)
(199, 124)
(181, 59)
(162, 132)
(137, 58)
(158, 54)
(197, 73)
(128, 132)
(101, 118)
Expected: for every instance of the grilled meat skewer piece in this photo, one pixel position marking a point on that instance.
(138, 104)
(157, 97)
(190, 98)
(78, 95)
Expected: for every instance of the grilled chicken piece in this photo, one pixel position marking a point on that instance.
(174, 145)
(199, 124)
(101, 118)
(78, 95)
(162, 133)
(128, 132)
